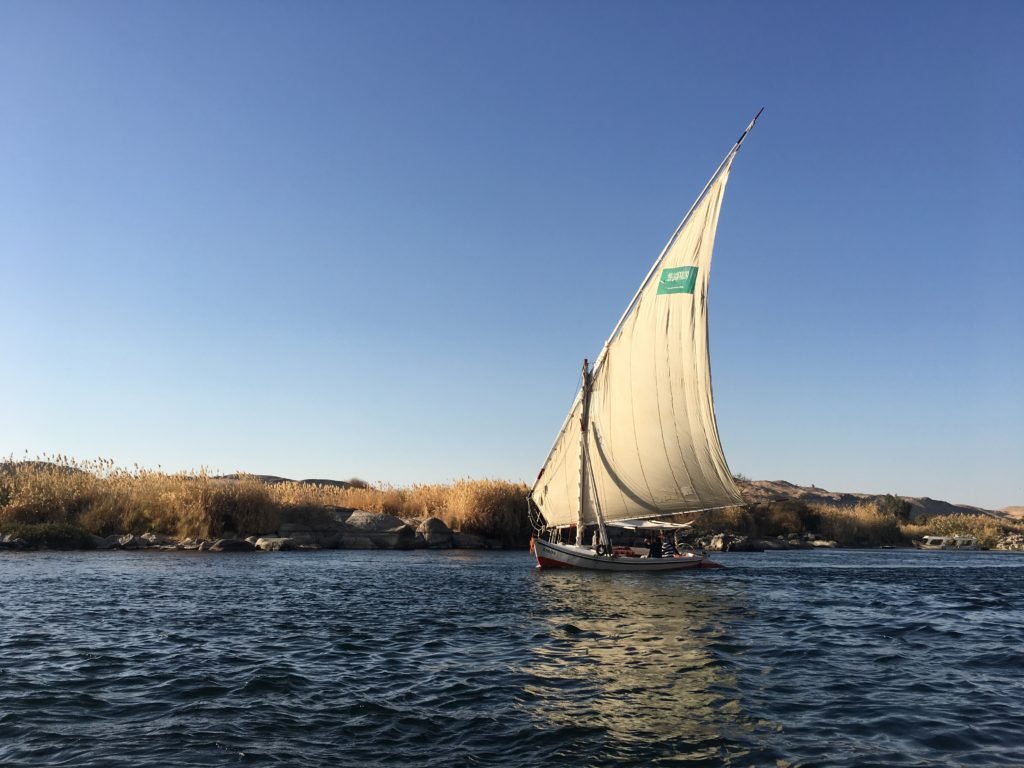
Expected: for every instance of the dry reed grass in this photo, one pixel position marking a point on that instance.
(988, 530)
(868, 524)
(863, 525)
(735, 520)
(104, 499)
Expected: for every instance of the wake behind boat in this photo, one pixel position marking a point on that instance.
(640, 443)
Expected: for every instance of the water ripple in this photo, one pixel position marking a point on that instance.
(477, 659)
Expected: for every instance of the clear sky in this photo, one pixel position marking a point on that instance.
(376, 239)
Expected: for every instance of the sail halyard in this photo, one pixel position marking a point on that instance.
(657, 446)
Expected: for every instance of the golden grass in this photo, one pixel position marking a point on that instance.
(490, 508)
(735, 520)
(987, 529)
(863, 525)
(868, 524)
(104, 499)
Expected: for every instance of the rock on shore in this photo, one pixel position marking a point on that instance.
(727, 542)
(335, 528)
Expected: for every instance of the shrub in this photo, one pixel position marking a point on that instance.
(895, 506)
(863, 525)
(52, 535)
(783, 518)
(735, 520)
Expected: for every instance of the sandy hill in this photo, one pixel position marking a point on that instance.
(763, 491)
(275, 479)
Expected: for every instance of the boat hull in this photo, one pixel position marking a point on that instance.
(551, 555)
(947, 543)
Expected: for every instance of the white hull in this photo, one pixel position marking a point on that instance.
(947, 542)
(567, 556)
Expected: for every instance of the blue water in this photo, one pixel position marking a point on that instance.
(838, 658)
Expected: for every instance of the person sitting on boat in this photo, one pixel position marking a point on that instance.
(654, 547)
(668, 547)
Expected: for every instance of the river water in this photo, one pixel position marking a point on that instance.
(822, 658)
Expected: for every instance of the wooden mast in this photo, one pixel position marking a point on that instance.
(586, 478)
(584, 483)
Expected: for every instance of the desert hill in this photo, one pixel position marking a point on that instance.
(764, 491)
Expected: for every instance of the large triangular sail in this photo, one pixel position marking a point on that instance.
(652, 445)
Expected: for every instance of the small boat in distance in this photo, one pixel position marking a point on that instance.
(947, 542)
(640, 444)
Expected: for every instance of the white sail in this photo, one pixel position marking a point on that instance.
(653, 442)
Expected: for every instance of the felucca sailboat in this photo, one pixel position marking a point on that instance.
(640, 443)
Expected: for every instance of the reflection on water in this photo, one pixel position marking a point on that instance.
(791, 659)
(631, 656)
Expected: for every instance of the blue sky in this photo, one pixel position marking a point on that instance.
(335, 239)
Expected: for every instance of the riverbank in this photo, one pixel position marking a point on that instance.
(335, 528)
(60, 503)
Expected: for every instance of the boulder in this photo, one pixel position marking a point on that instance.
(432, 533)
(468, 541)
(130, 541)
(718, 543)
(385, 531)
(357, 541)
(286, 530)
(101, 542)
(325, 528)
(772, 544)
(744, 544)
(274, 544)
(156, 539)
(302, 538)
(190, 543)
(727, 542)
(231, 545)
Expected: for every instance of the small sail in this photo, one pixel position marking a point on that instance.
(653, 444)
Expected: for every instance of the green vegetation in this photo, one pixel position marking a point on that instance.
(99, 498)
(895, 506)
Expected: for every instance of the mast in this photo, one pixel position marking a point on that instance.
(584, 482)
(587, 485)
(602, 532)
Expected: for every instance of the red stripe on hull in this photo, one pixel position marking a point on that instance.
(547, 562)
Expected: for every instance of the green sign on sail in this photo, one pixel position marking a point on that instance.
(677, 280)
